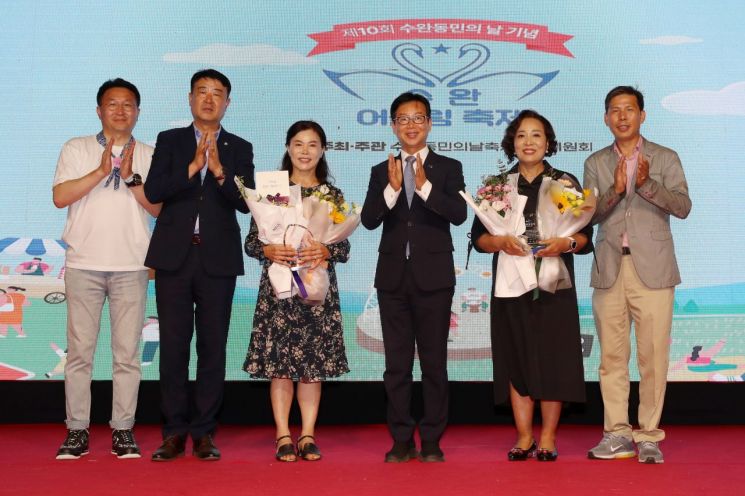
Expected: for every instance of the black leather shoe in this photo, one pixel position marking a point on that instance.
(172, 448)
(402, 451)
(205, 449)
(431, 452)
(520, 455)
(546, 455)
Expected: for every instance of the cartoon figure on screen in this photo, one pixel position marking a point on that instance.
(58, 369)
(474, 301)
(34, 267)
(12, 303)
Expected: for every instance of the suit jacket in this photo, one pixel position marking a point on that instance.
(183, 199)
(425, 226)
(644, 215)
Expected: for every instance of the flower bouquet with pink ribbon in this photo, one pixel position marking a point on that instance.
(280, 220)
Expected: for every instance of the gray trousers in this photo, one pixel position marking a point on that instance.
(86, 292)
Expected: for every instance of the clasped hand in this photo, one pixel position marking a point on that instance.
(311, 255)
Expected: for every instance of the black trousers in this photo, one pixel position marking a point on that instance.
(410, 316)
(189, 299)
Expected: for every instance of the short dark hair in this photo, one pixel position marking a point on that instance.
(117, 83)
(211, 74)
(323, 174)
(624, 90)
(409, 97)
(508, 142)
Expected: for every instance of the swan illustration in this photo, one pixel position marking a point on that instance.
(482, 55)
(399, 56)
(402, 54)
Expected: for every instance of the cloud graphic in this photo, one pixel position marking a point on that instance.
(670, 40)
(730, 100)
(179, 123)
(222, 54)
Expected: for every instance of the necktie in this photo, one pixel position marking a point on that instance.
(410, 186)
(409, 182)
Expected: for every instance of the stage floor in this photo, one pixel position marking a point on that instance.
(698, 460)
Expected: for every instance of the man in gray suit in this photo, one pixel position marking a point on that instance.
(640, 184)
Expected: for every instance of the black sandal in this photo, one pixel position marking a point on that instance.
(285, 450)
(308, 451)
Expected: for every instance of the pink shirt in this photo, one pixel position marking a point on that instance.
(631, 164)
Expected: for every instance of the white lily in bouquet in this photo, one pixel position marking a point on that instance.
(280, 220)
(500, 208)
(330, 220)
(563, 209)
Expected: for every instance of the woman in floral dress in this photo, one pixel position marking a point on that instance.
(292, 341)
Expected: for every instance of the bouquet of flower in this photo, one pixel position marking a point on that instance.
(330, 220)
(562, 211)
(494, 194)
(500, 208)
(279, 220)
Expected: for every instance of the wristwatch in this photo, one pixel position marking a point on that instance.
(135, 180)
(572, 244)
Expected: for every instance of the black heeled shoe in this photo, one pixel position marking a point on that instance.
(308, 451)
(520, 455)
(285, 452)
(546, 455)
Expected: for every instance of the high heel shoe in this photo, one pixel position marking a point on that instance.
(520, 455)
(547, 455)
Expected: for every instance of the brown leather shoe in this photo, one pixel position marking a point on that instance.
(172, 448)
(205, 449)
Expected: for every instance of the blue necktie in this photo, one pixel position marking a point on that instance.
(410, 186)
(409, 182)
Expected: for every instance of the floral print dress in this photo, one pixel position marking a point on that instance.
(292, 340)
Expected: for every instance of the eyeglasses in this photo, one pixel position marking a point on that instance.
(402, 120)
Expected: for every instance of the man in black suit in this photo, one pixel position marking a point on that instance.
(196, 253)
(415, 276)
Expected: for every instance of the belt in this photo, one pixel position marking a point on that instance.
(196, 239)
(626, 250)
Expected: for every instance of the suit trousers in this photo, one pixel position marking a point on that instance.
(651, 311)
(86, 292)
(188, 298)
(410, 316)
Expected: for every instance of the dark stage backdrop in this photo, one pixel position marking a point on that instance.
(341, 63)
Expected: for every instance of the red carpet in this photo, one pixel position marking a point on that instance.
(700, 460)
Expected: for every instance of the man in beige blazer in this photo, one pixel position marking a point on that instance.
(639, 184)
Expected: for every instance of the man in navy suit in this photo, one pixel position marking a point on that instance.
(196, 253)
(415, 276)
